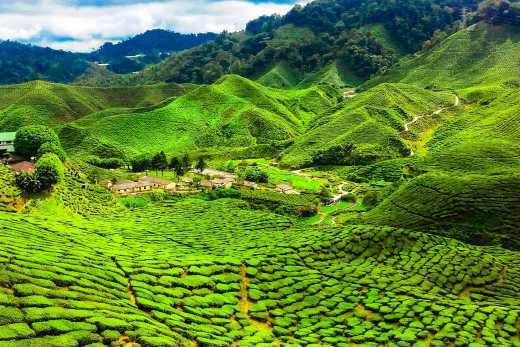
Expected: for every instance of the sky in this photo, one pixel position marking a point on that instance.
(84, 25)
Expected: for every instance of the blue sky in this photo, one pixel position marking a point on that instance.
(83, 25)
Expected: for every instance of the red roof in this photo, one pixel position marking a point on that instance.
(23, 166)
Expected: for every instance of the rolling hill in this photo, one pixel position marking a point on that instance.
(233, 112)
(52, 104)
(372, 122)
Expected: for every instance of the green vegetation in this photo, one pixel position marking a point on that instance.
(234, 112)
(30, 139)
(52, 104)
(481, 55)
(371, 123)
(306, 212)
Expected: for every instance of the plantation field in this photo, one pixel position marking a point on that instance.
(218, 273)
(480, 55)
(52, 104)
(371, 121)
(233, 112)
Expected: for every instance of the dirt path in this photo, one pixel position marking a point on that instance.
(436, 113)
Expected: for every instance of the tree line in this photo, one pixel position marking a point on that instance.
(159, 162)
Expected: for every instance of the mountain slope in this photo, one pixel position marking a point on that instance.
(482, 54)
(372, 122)
(51, 104)
(20, 63)
(150, 47)
(360, 35)
(233, 112)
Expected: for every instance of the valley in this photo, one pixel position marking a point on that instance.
(367, 196)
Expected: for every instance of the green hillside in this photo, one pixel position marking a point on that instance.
(208, 277)
(302, 206)
(480, 55)
(371, 121)
(51, 104)
(233, 112)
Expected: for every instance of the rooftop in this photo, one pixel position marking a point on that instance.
(23, 166)
(7, 136)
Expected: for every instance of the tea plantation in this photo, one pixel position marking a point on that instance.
(219, 274)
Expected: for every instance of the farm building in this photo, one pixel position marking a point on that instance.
(145, 184)
(158, 183)
(7, 141)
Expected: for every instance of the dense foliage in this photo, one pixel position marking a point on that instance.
(51, 147)
(335, 34)
(20, 63)
(254, 174)
(49, 170)
(150, 47)
(106, 163)
(29, 139)
(500, 11)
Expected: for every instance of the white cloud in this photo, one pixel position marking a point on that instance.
(86, 27)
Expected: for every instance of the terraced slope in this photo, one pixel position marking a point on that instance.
(10, 196)
(52, 104)
(482, 54)
(371, 121)
(335, 74)
(220, 274)
(233, 112)
(471, 193)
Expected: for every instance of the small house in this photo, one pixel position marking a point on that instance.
(7, 141)
(158, 183)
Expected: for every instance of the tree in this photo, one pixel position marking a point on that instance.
(176, 166)
(254, 174)
(159, 161)
(27, 182)
(141, 163)
(500, 12)
(51, 147)
(29, 139)
(49, 170)
(201, 165)
(186, 163)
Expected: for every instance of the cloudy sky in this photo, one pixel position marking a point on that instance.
(83, 25)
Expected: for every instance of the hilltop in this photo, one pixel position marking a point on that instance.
(150, 47)
(232, 112)
(361, 37)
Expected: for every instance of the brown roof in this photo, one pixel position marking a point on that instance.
(125, 184)
(23, 166)
(155, 180)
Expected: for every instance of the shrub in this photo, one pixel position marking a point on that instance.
(29, 139)
(254, 174)
(51, 147)
(109, 163)
(220, 193)
(28, 183)
(49, 170)
(372, 199)
(336, 155)
(134, 202)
